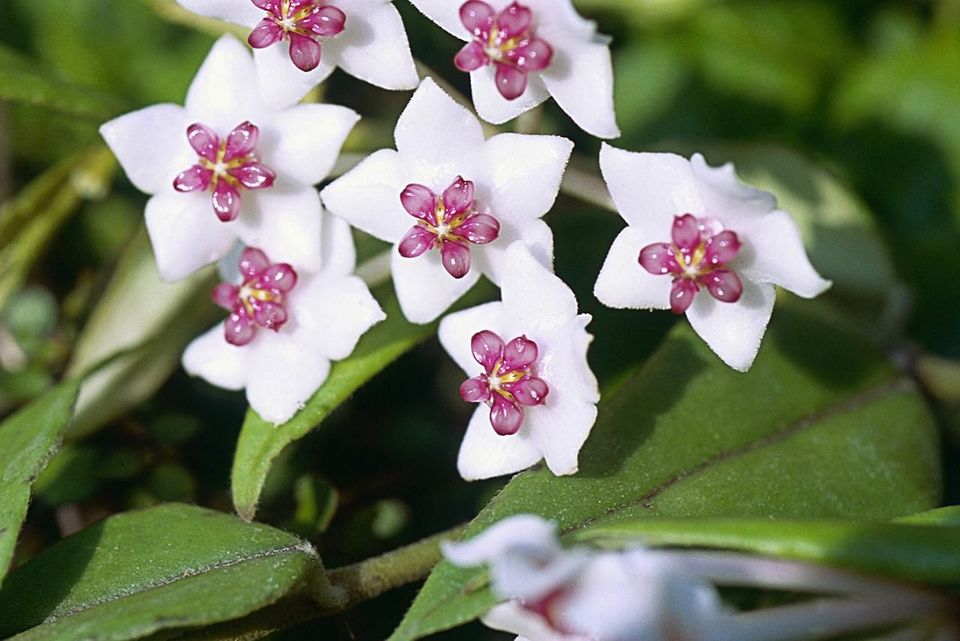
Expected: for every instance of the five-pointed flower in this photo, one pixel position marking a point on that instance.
(450, 201)
(519, 53)
(298, 43)
(526, 359)
(699, 241)
(227, 166)
(285, 326)
(557, 594)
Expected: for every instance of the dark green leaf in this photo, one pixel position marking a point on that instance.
(905, 549)
(173, 566)
(27, 441)
(804, 434)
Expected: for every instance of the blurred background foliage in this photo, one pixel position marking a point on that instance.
(868, 91)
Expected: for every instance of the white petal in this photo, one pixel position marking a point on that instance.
(284, 223)
(303, 142)
(212, 358)
(564, 364)
(374, 47)
(446, 13)
(532, 295)
(524, 174)
(726, 198)
(649, 189)
(282, 375)
(242, 13)
(437, 136)
(623, 283)
(457, 330)
(580, 79)
(337, 250)
(151, 145)
(510, 617)
(222, 95)
(485, 454)
(186, 234)
(525, 531)
(336, 311)
(424, 288)
(774, 253)
(368, 197)
(496, 109)
(559, 429)
(280, 82)
(534, 234)
(734, 330)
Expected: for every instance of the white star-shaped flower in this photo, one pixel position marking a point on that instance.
(526, 357)
(521, 53)
(450, 201)
(579, 594)
(701, 242)
(227, 166)
(285, 326)
(298, 43)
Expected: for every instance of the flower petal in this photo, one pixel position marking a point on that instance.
(726, 197)
(535, 234)
(487, 348)
(559, 428)
(519, 353)
(242, 13)
(475, 390)
(265, 34)
(151, 145)
(776, 255)
(563, 361)
(446, 13)
(511, 81)
(280, 83)
(492, 106)
(734, 330)
(368, 197)
(335, 311)
(282, 375)
(510, 617)
(649, 189)
(185, 233)
(471, 57)
(580, 79)
(305, 52)
(455, 258)
(523, 174)
(212, 358)
(223, 94)
(284, 223)
(374, 47)
(416, 242)
(457, 330)
(485, 454)
(506, 415)
(522, 531)
(337, 249)
(623, 283)
(534, 295)
(303, 143)
(437, 135)
(420, 202)
(424, 288)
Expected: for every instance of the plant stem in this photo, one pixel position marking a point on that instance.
(170, 11)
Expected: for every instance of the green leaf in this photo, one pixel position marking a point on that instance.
(905, 549)
(820, 427)
(174, 566)
(27, 441)
(261, 442)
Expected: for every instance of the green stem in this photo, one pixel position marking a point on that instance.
(170, 11)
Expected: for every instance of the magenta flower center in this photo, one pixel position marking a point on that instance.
(259, 301)
(449, 222)
(225, 166)
(305, 24)
(697, 257)
(509, 382)
(507, 40)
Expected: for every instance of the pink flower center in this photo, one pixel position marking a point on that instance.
(696, 258)
(304, 23)
(509, 382)
(225, 167)
(449, 222)
(259, 300)
(506, 40)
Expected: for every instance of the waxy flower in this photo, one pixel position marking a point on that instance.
(526, 362)
(701, 242)
(226, 166)
(555, 594)
(519, 53)
(285, 326)
(450, 201)
(298, 43)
